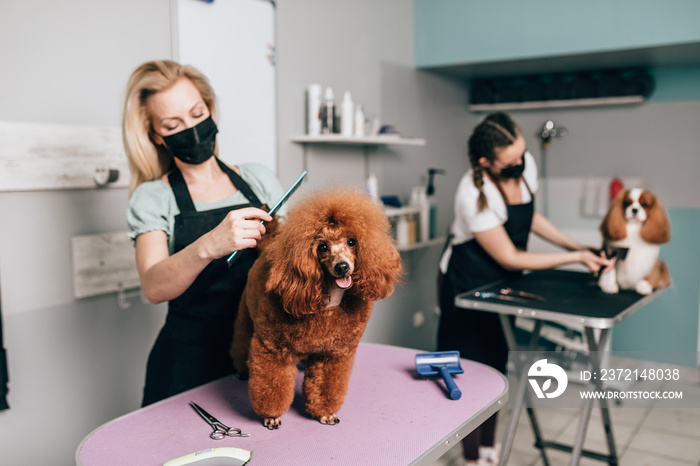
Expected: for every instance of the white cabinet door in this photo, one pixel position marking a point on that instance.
(233, 43)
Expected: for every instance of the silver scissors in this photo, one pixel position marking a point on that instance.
(494, 295)
(524, 294)
(221, 430)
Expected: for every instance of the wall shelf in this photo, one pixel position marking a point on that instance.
(354, 140)
(367, 143)
(570, 103)
(411, 210)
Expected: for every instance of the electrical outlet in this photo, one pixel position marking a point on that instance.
(418, 319)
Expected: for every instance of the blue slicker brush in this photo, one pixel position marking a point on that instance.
(444, 363)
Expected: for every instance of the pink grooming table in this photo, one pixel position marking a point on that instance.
(390, 416)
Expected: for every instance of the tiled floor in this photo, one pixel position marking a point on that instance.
(644, 436)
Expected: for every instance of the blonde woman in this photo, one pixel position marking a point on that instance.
(187, 212)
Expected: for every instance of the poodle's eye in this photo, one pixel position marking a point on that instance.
(352, 243)
(322, 248)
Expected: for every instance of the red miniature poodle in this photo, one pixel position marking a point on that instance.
(309, 297)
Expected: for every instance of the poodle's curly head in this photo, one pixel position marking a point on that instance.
(340, 236)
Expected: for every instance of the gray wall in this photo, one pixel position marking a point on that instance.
(657, 141)
(73, 365)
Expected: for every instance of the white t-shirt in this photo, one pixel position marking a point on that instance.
(468, 219)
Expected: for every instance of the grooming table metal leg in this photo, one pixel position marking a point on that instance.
(581, 432)
(508, 332)
(539, 441)
(596, 365)
(576, 452)
(607, 425)
(519, 398)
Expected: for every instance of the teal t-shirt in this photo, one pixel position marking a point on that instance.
(152, 206)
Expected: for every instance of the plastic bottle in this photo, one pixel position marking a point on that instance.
(412, 229)
(359, 121)
(373, 186)
(424, 214)
(313, 110)
(402, 234)
(432, 202)
(347, 118)
(615, 187)
(327, 112)
(419, 200)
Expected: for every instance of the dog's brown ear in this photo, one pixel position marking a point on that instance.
(379, 264)
(614, 226)
(385, 272)
(295, 275)
(657, 228)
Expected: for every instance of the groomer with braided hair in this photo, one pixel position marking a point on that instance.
(494, 213)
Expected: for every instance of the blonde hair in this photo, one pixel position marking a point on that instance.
(147, 160)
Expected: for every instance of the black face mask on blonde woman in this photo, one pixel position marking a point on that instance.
(193, 145)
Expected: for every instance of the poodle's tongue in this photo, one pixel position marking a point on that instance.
(344, 282)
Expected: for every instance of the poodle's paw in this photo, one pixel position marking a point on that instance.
(272, 423)
(329, 420)
(644, 287)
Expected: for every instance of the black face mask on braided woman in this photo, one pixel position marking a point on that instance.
(513, 171)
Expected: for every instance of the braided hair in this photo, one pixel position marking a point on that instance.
(496, 130)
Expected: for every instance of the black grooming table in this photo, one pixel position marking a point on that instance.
(570, 298)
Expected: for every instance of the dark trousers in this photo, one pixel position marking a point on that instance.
(174, 367)
(478, 336)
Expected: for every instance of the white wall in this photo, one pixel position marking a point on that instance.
(232, 43)
(73, 365)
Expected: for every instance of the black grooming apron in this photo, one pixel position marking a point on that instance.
(477, 334)
(193, 345)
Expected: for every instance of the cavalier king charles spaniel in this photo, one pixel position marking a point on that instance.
(636, 224)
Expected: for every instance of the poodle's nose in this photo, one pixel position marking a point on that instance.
(342, 268)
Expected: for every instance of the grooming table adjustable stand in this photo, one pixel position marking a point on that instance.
(571, 298)
(522, 395)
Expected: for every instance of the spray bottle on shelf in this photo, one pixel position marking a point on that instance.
(432, 202)
(419, 200)
(327, 112)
